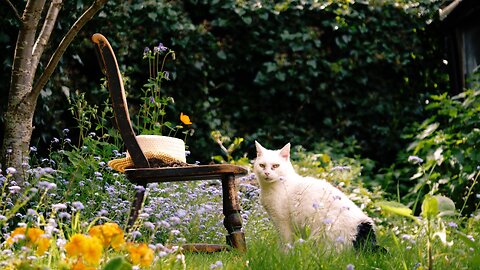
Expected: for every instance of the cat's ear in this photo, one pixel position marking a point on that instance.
(285, 152)
(259, 148)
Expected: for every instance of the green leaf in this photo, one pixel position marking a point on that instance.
(118, 263)
(429, 206)
(221, 55)
(446, 207)
(428, 131)
(395, 208)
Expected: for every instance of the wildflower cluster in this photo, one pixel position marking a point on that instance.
(154, 108)
(33, 238)
(87, 250)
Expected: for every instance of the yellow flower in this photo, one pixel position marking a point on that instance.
(140, 254)
(34, 237)
(18, 231)
(109, 234)
(93, 252)
(75, 246)
(185, 119)
(87, 247)
(80, 266)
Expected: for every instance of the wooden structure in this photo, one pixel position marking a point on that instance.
(142, 173)
(461, 25)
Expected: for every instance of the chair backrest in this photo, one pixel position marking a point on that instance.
(109, 66)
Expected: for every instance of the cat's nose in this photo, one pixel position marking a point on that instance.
(267, 173)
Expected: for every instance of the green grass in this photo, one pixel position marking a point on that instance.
(264, 253)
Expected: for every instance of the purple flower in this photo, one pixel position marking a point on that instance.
(161, 47)
(350, 267)
(135, 234)
(316, 205)
(328, 221)
(64, 215)
(181, 213)
(149, 225)
(166, 75)
(59, 206)
(175, 220)
(78, 206)
(452, 224)
(146, 52)
(216, 265)
(48, 170)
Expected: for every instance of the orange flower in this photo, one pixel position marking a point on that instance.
(34, 237)
(140, 254)
(109, 234)
(18, 231)
(185, 119)
(80, 266)
(87, 247)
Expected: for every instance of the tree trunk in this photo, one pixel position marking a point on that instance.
(23, 93)
(19, 114)
(18, 132)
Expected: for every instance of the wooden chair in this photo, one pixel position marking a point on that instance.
(142, 173)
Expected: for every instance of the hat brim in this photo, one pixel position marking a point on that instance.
(155, 159)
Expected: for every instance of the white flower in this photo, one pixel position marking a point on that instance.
(415, 160)
(11, 170)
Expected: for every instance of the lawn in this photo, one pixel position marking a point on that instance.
(65, 204)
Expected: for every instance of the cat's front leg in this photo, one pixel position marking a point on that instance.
(286, 234)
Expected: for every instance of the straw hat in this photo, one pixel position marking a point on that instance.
(161, 151)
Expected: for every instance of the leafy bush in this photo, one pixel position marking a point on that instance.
(446, 147)
(289, 71)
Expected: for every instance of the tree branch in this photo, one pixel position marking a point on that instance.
(44, 35)
(62, 47)
(15, 11)
(21, 79)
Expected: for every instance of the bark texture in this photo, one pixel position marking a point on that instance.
(25, 87)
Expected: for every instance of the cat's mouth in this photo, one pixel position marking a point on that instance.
(268, 179)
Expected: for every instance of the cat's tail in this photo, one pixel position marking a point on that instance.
(366, 240)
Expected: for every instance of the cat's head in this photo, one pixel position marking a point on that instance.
(272, 165)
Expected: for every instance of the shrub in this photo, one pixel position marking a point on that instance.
(447, 144)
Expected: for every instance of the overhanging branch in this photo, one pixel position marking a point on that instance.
(15, 11)
(44, 35)
(62, 47)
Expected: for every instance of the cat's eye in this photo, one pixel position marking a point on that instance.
(262, 165)
(274, 166)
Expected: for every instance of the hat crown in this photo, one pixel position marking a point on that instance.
(171, 146)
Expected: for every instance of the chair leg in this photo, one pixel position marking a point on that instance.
(231, 210)
(135, 208)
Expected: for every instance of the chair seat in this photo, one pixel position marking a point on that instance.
(142, 176)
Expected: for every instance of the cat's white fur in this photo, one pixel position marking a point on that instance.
(296, 203)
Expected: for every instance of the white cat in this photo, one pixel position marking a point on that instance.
(307, 205)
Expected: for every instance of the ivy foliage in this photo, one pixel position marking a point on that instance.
(276, 71)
